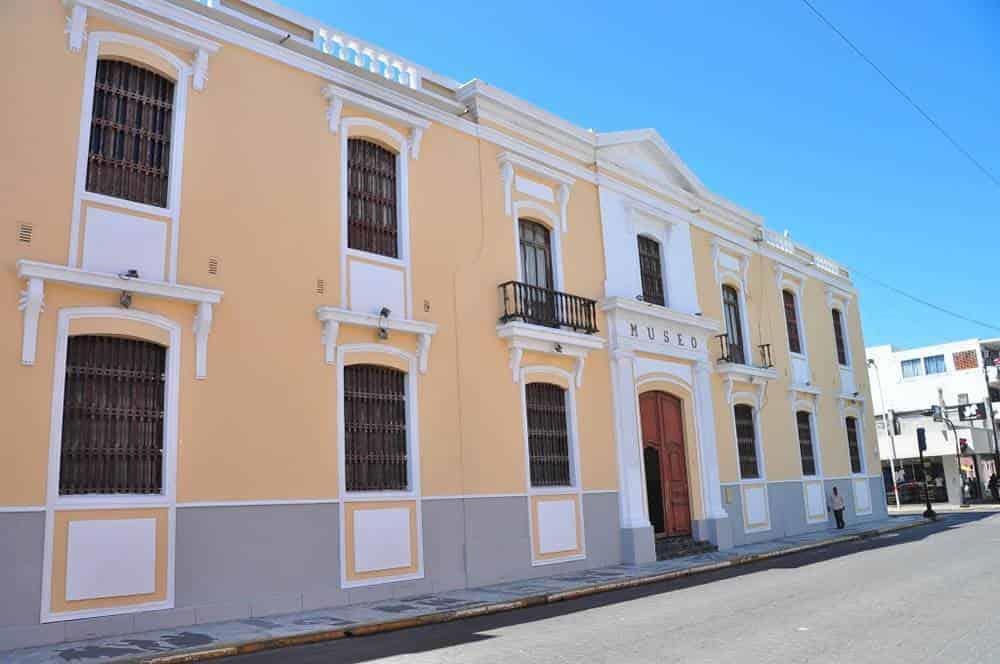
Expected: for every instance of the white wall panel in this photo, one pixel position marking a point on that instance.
(382, 539)
(862, 497)
(110, 558)
(376, 286)
(557, 526)
(115, 243)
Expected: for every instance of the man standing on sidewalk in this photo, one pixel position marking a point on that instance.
(837, 505)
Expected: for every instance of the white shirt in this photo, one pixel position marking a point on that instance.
(837, 502)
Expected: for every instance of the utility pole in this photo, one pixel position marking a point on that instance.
(890, 427)
(988, 355)
(921, 446)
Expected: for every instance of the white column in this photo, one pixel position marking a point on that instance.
(631, 482)
(708, 456)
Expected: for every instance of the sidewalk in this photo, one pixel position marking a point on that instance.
(210, 641)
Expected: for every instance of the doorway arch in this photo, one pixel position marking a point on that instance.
(667, 491)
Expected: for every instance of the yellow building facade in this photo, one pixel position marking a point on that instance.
(294, 322)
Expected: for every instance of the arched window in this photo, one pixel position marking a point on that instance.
(112, 433)
(130, 133)
(548, 435)
(803, 421)
(853, 444)
(839, 337)
(746, 441)
(651, 270)
(792, 321)
(734, 325)
(375, 440)
(371, 198)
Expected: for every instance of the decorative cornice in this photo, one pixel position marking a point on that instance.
(70, 275)
(336, 96)
(333, 317)
(666, 314)
(522, 337)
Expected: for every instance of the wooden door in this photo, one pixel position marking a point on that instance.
(666, 466)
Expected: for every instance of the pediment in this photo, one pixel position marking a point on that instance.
(646, 156)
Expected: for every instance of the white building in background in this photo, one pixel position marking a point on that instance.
(911, 381)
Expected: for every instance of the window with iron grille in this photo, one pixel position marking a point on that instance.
(130, 128)
(734, 326)
(651, 270)
(853, 448)
(375, 445)
(548, 435)
(803, 422)
(838, 335)
(371, 198)
(792, 321)
(112, 431)
(746, 442)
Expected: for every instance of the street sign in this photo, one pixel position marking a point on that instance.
(972, 411)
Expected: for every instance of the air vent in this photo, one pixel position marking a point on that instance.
(24, 232)
(213, 265)
(320, 286)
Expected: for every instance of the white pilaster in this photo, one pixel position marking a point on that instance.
(31, 302)
(708, 458)
(202, 326)
(631, 482)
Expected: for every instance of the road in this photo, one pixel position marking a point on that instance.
(927, 594)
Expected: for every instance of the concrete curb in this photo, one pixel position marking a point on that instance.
(217, 651)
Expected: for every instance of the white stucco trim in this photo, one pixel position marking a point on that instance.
(749, 399)
(525, 336)
(540, 213)
(167, 499)
(181, 72)
(413, 459)
(332, 318)
(401, 146)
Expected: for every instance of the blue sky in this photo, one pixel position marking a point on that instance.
(774, 112)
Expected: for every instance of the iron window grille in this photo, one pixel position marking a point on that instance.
(792, 322)
(853, 448)
(130, 133)
(804, 425)
(375, 445)
(838, 335)
(746, 441)
(651, 271)
(548, 435)
(112, 431)
(372, 207)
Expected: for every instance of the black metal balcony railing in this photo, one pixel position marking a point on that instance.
(542, 306)
(735, 354)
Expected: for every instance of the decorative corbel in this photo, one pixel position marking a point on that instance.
(416, 135)
(578, 371)
(515, 363)
(727, 386)
(31, 302)
(423, 350)
(330, 330)
(744, 268)
(76, 27)
(202, 326)
(562, 195)
(200, 70)
(507, 173)
(715, 263)
(333, 109)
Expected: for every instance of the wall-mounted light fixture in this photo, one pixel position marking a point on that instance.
(125, 299)
(383, 315)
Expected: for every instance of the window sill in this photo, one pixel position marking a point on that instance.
(553, 490)
(142, 208)
(110, 500)
(376, 258)
(375, 496)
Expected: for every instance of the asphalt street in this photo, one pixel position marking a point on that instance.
(928, 594)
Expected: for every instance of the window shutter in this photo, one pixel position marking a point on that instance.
(130, 129)
(371, 198)
(548, 435)
(651, 271)
(375, 445)
(112, 434)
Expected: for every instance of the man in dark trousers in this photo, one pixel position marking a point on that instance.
(837, 505)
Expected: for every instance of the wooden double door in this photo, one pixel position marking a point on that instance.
(666, 465)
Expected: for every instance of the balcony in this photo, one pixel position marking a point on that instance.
(549, 308)
(542, 320)
(735, 363)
